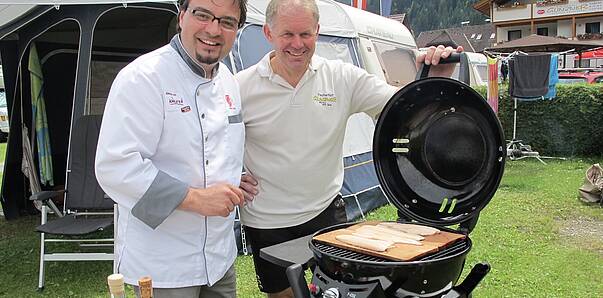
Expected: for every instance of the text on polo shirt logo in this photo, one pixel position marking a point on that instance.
(229, 101)
(325, 99)
(185, 109)
(173, 99)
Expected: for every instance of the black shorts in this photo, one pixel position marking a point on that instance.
(271, 278)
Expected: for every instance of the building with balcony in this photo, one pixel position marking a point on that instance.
(573, 19)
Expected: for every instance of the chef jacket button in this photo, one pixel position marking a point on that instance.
(203, 116)
(207, 162)
(206, 139)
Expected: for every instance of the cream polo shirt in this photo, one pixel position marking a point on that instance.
(294, 136)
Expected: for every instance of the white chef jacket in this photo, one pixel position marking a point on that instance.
(166, 128)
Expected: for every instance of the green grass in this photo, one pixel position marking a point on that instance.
(520, 233)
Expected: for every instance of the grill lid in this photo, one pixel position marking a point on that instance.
(438, 150)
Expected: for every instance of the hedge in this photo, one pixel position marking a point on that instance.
(570, 124)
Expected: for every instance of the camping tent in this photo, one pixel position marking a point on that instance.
(83, 44)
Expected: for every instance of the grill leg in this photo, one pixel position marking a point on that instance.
(295, 275)
(476, 275)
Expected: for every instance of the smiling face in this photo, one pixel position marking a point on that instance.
(293, 34)
(208, 42)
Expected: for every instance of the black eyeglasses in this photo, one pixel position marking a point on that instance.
(205, 17)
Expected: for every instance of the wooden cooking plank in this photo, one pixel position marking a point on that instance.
(400, 252)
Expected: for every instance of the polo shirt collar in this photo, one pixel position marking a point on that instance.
(176, 43)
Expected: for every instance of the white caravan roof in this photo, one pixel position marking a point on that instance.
(333, 18)
(375, 26)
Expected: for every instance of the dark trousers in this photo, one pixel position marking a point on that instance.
(271, 278)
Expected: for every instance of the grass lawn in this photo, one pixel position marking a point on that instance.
(540, 240)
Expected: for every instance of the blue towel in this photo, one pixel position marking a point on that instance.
(553, 77)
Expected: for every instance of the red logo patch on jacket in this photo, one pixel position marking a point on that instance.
(229, 101)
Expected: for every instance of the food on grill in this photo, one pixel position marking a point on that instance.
(371, 244)
(381, 229)
(411, 228)
(383, 236)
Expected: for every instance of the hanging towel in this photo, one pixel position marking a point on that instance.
(529, 75)
(39, 117)
(493, 83)
(553, 77)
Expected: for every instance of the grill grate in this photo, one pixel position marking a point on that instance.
(345, 253)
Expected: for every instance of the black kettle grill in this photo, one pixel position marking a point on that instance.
(439, 155)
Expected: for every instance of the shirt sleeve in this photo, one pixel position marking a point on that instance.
(369, 93)
(130, 132)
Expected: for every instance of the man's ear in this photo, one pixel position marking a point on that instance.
(267, 32)
(180, 17)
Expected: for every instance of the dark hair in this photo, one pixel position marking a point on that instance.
(242, 9)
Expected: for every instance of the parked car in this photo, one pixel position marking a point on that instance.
(4, 128)
(581, 75)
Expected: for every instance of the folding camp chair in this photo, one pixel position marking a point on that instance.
(86, 208)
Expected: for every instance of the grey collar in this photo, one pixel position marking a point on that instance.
(176, 43)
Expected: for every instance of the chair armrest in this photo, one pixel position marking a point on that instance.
(45, 195)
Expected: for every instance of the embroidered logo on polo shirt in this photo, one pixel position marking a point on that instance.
(325, 99)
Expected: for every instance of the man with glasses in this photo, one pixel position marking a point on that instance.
(170, 154)
(296, 106)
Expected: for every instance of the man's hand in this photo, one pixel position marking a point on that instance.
(432, 57)
(249, 186)
(217, 200)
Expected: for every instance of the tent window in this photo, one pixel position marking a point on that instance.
(250, 46)
(336, 48)
(398, 63)
(120, 36)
